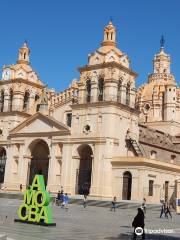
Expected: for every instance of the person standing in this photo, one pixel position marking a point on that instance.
(58, 199)
(138, 222)
(62, 190)
(66, 201)
(144, 205)
(163, 209)
(113, 207)
(168, 211)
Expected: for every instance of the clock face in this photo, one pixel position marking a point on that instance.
(20, 74)
(31, 77)
(6, 74)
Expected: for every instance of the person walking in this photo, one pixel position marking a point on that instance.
(143, 206)
(66, 201)
(163, 209)
(62, 190)
(168, 211)
(84, 201)
(113, 207)
(58, 199)
(138, 222)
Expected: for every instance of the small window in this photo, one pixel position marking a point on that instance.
(87, 128)
(151, 183)
(153, 154)
(173, 157)
(169, 89)
(69, 119)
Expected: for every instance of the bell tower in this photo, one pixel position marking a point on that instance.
(162, 60)
(109, 35)
(24, 53)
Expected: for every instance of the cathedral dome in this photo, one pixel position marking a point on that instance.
(147, 91)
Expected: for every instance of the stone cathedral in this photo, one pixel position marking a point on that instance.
(101, 134)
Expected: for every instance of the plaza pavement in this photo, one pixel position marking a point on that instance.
(78, 223)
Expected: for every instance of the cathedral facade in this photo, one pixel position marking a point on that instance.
(101, 134)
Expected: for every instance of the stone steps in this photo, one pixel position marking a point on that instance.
(90, 202)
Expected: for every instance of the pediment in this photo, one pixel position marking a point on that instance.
(39, 123)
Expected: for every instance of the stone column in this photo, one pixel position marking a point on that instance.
(96, 171)
(6, 101)
(110, 90)
(94, 91)
(123, 94)
(8, 177)
(106, 175)
(31, 106)
(18, 100)
(132, 98)
(51, 184)
(25, 170)
(135, 188)
(82, 95)
(66, 168)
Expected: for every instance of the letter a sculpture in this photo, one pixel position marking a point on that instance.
(35, 208)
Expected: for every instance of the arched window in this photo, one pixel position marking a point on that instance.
(88, 90)
(101, 89)
(2, 101)
(128, 94)
(10, 99)
(36, 97)
(26, 101)
(119, 91)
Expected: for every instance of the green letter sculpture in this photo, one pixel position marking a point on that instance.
(35, 207)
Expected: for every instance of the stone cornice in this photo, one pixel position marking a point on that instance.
(13, 113)
(39, 134)
(81, 140)
(105, 103)
(146, 162)
(20, 80)
(107, 65)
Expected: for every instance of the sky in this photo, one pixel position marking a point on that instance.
(61, 34)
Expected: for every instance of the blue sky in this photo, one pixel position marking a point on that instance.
(62, 33)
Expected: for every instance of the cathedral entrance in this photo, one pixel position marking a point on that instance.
(40, 160)
(83, 174)
(127, 182)
(2, 163)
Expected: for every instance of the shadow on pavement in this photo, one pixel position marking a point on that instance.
(129, 236)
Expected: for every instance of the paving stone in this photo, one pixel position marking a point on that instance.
(94, 223)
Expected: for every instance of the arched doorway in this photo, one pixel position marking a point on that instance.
(40, 160)
(83, 174)
(2, 163)
(127, 183)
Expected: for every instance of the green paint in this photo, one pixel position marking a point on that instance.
(35, 206)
